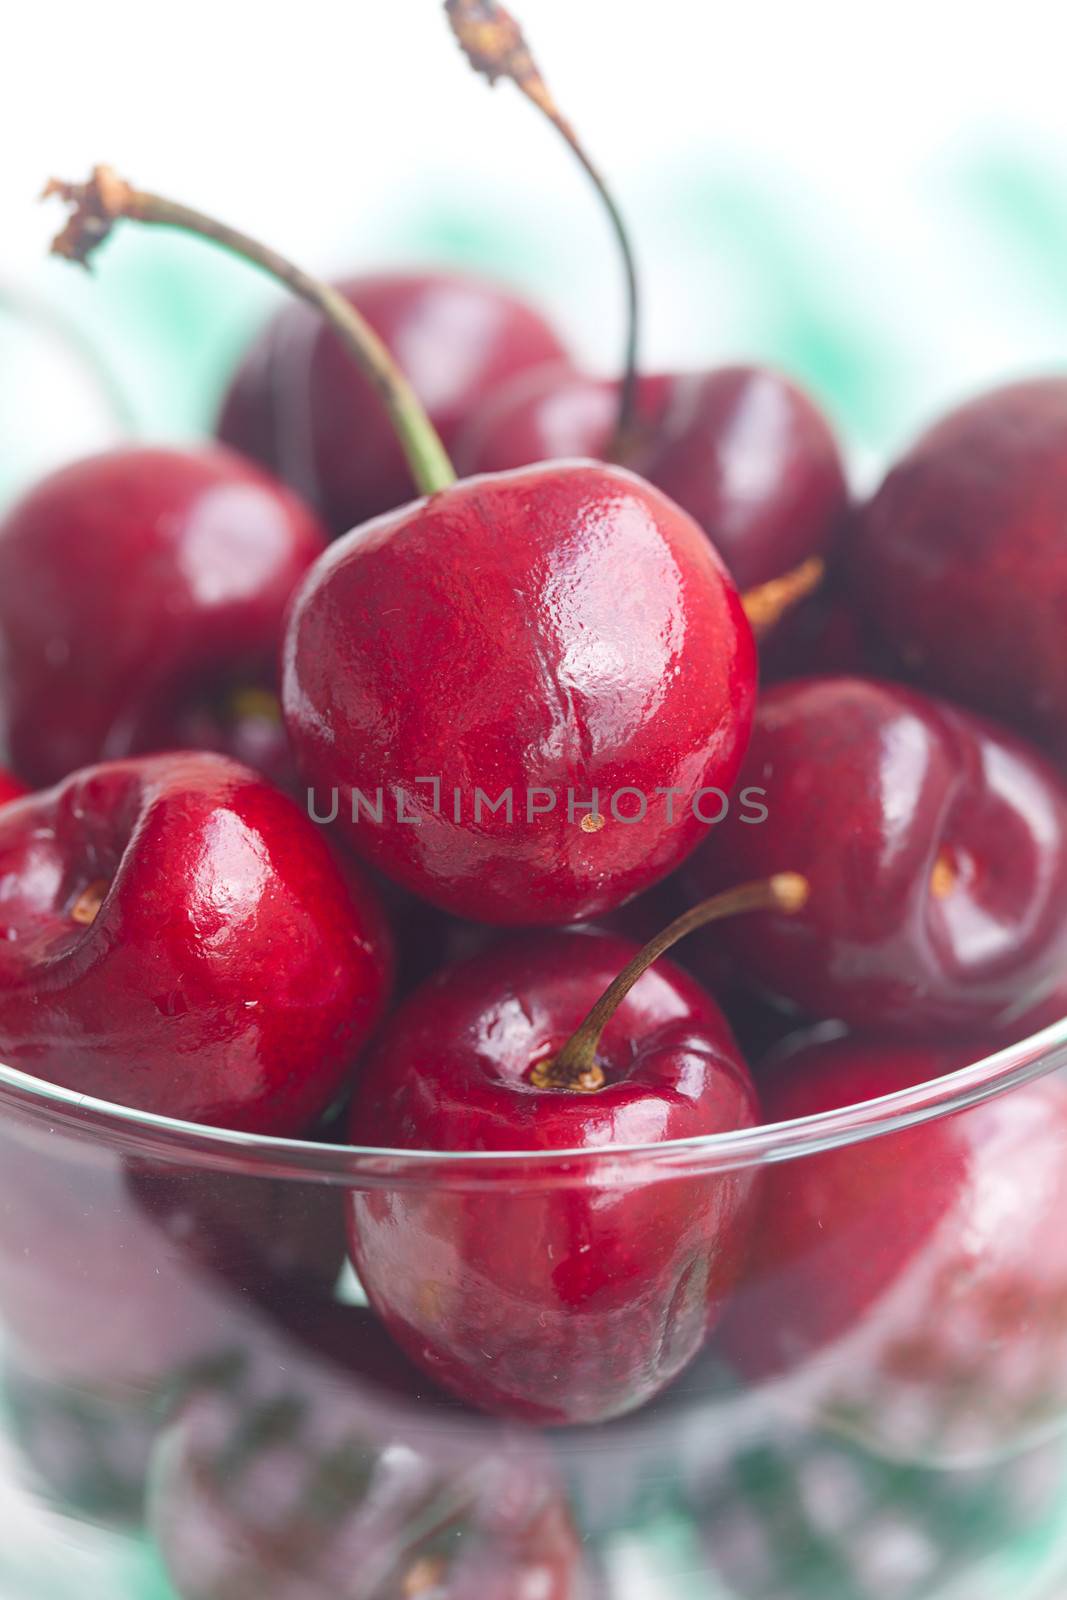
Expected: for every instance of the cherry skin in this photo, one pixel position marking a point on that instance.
(559, 1300)
(141, 602)
(743, 450)
(909, 1288)
(318, 1474)
(960, 559)
(298, 405)
(10, 788)
(563, 628)
(176, 936)
(935, 846)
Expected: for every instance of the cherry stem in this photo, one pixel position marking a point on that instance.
(575, 1066)
(768, 603)
(495, 46)
(106, 198)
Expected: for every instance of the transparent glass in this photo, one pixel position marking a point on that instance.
(197, 1402)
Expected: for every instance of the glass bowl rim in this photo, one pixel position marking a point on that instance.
(150, 1136)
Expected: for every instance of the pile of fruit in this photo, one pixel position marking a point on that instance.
(308, 729)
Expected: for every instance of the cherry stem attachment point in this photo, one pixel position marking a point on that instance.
(106, 199)
(575, 1067)
(494, 44)
(768, 603)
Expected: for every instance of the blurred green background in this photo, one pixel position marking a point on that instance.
(877, 204)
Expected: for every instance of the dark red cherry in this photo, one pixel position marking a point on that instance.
(10, 787)
(175, 935)
(561, 1298)
(745, 451)
(141, 602)
(536, 640)
(315, 1477)
(960, 558)
(909, 1288)
(299, 406)
(935, 846)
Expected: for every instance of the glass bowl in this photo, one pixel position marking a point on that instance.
(197, 1402)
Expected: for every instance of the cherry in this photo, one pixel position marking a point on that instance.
(565, 1299)
(10, 788)
(960, 560)
(317, 1476)
(437, 667)
(936, 849)
(480, 652)
(298, 406)
(176, 936)
(141, 602)
(910, 1287)
(743, 450)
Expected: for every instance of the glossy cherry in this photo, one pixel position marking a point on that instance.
(936, 849)
(299, 406)
(584, 645)
(961, 562)
(486, 639)
(565, 1296)
(746, 452)
(910, 1288)
(176, 936)
(141, 602)
(10, 788)
(314, 1474)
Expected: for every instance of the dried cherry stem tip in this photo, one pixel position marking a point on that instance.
(106, 199)
(575, 1067)
(768, 603)
(494, 44)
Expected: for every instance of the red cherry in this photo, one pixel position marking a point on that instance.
(484, 638)
(936, 850)
(299, 406)
(910, 1288)
(312, 1476)
(961, 561)
(743, 450)
(141, 602)
(561, 1299)
(10, 788)
(176, 936)
(578, 631)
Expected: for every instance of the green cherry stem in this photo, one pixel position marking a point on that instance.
(576, 1067)
(106, 199)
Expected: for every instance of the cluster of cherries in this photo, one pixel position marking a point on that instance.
(198, 648)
